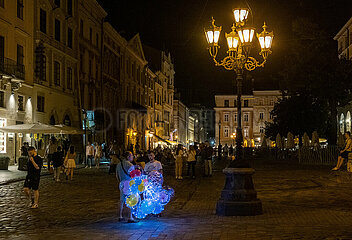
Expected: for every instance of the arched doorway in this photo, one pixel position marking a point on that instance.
(342, 124)
(67, 120)
(52, 120)
(348, 122)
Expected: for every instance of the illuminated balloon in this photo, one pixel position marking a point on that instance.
(158, 208)
(134, 189)
(132, 200)
(132, 182)
(155, 178)
(141, 187)
(164, 197)
(135, 171)
(125, 187)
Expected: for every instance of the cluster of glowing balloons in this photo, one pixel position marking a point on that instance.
(145, 192)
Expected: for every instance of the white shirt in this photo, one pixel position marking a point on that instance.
(153, 166)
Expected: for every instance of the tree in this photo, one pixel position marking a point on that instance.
(297, 114)
(311, 67)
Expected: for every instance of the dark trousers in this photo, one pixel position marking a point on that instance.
(112, 169)
(89, 159)
(193, 164)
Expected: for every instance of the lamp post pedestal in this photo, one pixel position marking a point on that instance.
(238, 198)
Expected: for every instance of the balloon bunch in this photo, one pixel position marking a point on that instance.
(145, 193)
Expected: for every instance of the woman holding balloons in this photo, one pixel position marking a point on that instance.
(122, 175)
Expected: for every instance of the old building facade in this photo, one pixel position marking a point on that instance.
(344, 40)
(256, 109)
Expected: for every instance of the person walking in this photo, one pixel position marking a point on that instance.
(191, 161)
(98, 154)
(207, 156)
(179, 162)
(122, 175)
(70, 162)
(34, 167)
(89, 155)
(58, 161)
(50, 149)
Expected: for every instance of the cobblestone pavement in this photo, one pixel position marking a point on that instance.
(299, 203)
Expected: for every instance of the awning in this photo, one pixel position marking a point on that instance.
(40, 128)
(162, 139)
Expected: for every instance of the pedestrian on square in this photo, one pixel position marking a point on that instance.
(207, 154)
(153, 165)
(231, 150)
(179, 162)
(344, 152)
(191, 161)
(89, 155)
(98, 154)
(34, 167)
(122, 175)
(70, 162)
(226, 150)
(50, 149)
(24, 149)
(58, 161)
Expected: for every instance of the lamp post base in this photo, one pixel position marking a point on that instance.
(239, 198)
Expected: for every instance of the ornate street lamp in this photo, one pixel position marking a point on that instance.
(239, 196)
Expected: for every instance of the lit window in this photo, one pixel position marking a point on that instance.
(246, 132)
(226, 132)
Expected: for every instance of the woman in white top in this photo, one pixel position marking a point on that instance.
(191, 161)
(344, 153)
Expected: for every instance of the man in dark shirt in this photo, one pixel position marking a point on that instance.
(34, 167)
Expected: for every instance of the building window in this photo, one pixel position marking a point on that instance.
(97, 39)
(90, 34)
(40, 103)
(246, 117)
(261, 115)
(245, 103)
(226, 103)
(2, 3)
(226, 132)
(20, 55)
(235, 103)
(20, 103)
(246, 132)
(20, 7)
(235, 117)
(2, 99)
(57, 3)
(3, 136)
(57, 30)
(42, 21)
(69, 78)
(69, 37)
(69, 7)
(226, 117)
(57, 73)
(261, 129)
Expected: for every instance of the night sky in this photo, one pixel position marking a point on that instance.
(177, 26)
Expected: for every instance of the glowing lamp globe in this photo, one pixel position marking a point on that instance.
(265, 38)
(212, 34)
(232, 40)
(240, 14)
(246, 35)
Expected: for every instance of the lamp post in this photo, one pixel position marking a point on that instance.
(239, 196)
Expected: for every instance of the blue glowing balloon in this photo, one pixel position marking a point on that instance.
(158, 208)
(164, 197)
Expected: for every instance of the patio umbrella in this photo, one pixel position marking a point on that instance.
(290, 141)
(69, 130)
(305, 140)
(279, 141)
(39, 128)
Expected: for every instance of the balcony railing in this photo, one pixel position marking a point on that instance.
(11, 68)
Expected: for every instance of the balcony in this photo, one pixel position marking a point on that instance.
(11, 68)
